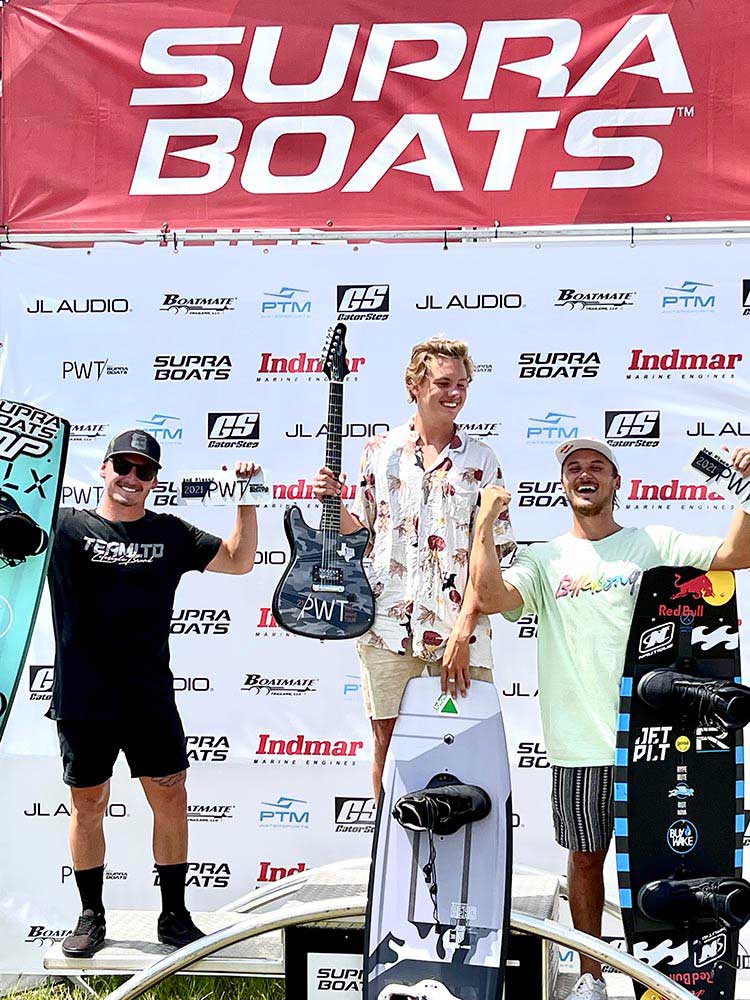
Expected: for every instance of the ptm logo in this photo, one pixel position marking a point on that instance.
(286, 302)
(372, 302)
(234, 430)
(632, 428)
(163, 427)
(284, 812)
(689, 297)
(552, 429)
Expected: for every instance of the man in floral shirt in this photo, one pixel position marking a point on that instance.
(418, 494)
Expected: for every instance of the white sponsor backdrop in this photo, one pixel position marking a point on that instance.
(86, 332)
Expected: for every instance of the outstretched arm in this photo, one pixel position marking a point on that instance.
(491, 592)
(734, 551)
(236, 553)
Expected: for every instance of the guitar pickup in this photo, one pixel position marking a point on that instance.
(328, 588)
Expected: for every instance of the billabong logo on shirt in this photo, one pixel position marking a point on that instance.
(122, 553)
(570, 587)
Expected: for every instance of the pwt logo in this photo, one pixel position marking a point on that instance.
(287, 302)
(234, 430)
(371, 302)
(164, 428)
(552, 429)
(632, 428)
(284, 812)
(88, 370)
(689, 297)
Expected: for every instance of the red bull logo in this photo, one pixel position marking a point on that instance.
(700, 586)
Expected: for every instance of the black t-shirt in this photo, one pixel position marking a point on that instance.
(112, 585)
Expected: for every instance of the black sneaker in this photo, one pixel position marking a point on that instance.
(444, 809)
(721, 701)
(177, 929)
(722, 900)
(88, 936)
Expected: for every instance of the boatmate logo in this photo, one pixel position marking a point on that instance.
(656, 640)
(209, 812)
(88, 432)
(40, 935)
(682, 836)
(369, 302)
(597, 301)
(355, 815)
(652, 743)
(281, 686)
(24, 430)
(481, 430)
(234, 430)
(175, 303)
(559, 364)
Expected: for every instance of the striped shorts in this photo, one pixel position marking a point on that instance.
(583, 807)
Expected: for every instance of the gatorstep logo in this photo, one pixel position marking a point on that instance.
(363, 302)
(355, 815)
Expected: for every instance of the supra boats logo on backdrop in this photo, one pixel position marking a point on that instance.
(200, 621)
(287, 302)
(184, 305)
(558, 364)
(632, 428)
(189, 367)
(234, 430)
(464, 73)
(552, 429)
(209, 748)
(357, 302)
(689, 297)
(597, 301)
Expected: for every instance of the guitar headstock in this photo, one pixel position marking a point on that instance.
(333, 357)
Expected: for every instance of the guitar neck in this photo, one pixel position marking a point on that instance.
(331, 520)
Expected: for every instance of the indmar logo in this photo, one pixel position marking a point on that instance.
(274, 873)
(596, 301)
(309, 751)
(679, 365)
(689, 297)
(663, 496)
(632, 428)
(369, 302)
(302, 366)
(234, 430)
(179, 304)
(286, 302)
(559, 364)
(454, 72)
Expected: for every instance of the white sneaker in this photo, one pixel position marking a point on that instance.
(588, 988)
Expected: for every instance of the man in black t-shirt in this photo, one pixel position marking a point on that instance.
(113, 576)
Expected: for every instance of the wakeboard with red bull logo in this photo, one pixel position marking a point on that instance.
(679, 793)
(438, 910)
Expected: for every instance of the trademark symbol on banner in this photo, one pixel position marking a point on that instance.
(686, 111)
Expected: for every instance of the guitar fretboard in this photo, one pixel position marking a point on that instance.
(331, 520)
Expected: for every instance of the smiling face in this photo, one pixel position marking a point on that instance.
(589, 481)
(441, 394)
(127, 490)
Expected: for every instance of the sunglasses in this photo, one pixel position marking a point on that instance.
(122, 467)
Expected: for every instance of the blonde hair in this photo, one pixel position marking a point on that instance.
(436, 347)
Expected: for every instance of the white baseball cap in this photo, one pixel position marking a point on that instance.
(565, 450)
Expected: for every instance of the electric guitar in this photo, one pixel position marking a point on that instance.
(324, 593)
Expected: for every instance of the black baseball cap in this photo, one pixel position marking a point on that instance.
(135, 442)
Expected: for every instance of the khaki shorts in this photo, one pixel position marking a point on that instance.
(385, 675)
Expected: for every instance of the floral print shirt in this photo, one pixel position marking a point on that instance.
(423, 521)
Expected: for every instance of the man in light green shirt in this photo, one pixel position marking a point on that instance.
(583, 587)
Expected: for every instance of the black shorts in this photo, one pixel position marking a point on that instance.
(153, 747)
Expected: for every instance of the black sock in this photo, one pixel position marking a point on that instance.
(172, 884)
(90, 882)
